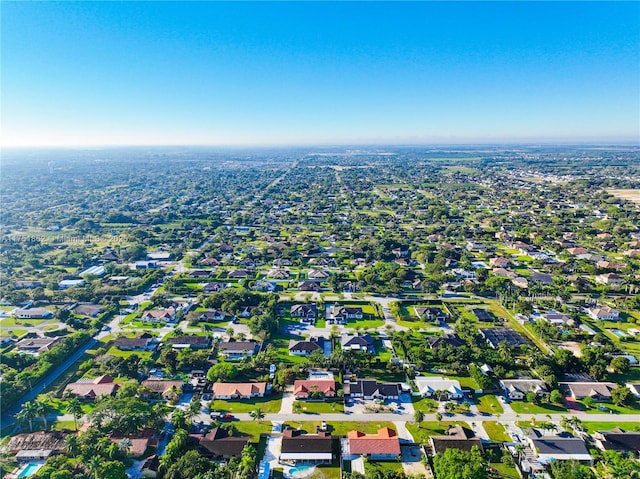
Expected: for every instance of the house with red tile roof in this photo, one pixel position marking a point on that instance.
(238, 390)
(384, 445)
(100, 386)
(304, 388)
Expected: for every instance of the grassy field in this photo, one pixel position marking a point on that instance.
(374, 467)
(426, 405)
(465, 381)
(431, 428)
(506, 471)
(523, 407)
(341, 428)
(269, 404)
(495, 431)
(312, 407)
(489, 404)
(253, 428)
(8, 322)
(608, 426)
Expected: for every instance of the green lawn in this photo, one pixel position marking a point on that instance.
(426, 405)
(373, 467)
(614, 409)
(313, 407)
(523, 407)
(269, 404)
(252, 428)
(431, 428)
(7, 322)
(495, 431)
(465, 381)
(489, 404)
(113, 351)
(364, 323)
(608, 426)
(341, 428)
(506, 471)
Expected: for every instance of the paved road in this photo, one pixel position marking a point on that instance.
(8, 415)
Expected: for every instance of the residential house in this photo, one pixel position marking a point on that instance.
(340, 314)
(635, 389)
(233, 350)
(371, 389)
(218, 444)
(610, 265)
(238, 274)
(384, 445)
(457, 437)
(558, 448)
(448, 339)
(200, 273)
(214, 287)
(306, 448)
(430, 314)
(144, 342)
(318, 275)
(304, 388)
(238, 390)
(160, 315)
(541, 278)
(558, 319)
(358, 342)
(307, 347)
(599, 391)
(309, 286)
(37, 446)
(34, 313)
(89, 391)
(307, 312)
(189, 341)
(499, 262)
(278, 274)
(618, 440)
(163, 387)
(441, 388)
(603, 313)
(89, 310)
(139, 443)
(610, 279)
(212, 315)
(494, 336)
(518, 388)
(36, 346)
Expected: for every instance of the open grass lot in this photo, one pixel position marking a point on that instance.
(252, 428)
(64, 426)
(614, 409)
(523, 407)
(269, 404)
(489, 404)
(313, 407)
(416, 324)
(382, 374)
(495, 431)
(431, 428)
(341, 428)
(364, 323)
(505, 470)
(8, 322)
(113, 351)
(426, 405)
(608, 426)
(374, 467)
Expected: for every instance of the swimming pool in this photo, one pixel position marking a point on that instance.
(617, 332)
(29, 470)
(300, 471)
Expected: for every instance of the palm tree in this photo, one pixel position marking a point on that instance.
(41, 410)
(296, 408)
(193, 409)
(418, 417)
(93, 466)
(257, 415)
(72, 444)
(75, 409)
(27, 413)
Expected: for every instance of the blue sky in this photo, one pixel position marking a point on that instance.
(117, 73)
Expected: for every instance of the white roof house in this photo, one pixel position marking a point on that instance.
(428, 386)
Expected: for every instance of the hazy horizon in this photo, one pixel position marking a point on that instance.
(262, 74)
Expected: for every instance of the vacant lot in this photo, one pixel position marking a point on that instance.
(631, 195)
